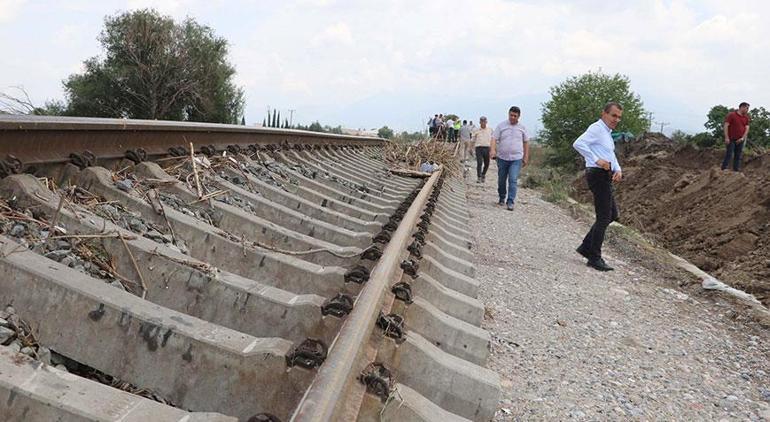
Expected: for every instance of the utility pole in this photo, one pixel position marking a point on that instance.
(649, 120)
(662, 125)
(291, 117)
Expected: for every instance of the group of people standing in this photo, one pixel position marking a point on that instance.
(448, 128)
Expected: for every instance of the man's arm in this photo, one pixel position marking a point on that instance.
(525, 145)
(492, 148)
(745, 134)
(526, 153)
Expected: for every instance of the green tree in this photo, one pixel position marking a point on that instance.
(759, 128)
(715, 120)
(152, 67)
(385, 132)
(578, 102)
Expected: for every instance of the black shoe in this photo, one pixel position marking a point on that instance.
(599, 264)
(583, 252)
(483, 179)
(501, 202)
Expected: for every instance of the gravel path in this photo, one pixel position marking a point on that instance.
(573, 343)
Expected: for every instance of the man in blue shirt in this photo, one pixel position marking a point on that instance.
(602, 168)
(510, 145)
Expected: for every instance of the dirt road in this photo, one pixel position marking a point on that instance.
(573, 343)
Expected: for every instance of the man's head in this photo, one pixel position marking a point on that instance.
(611, 114)
(743, 108)
(483, 122)
(465, 122)
(435, 115)
(513, 115)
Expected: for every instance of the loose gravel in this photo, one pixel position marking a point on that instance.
(571, 343)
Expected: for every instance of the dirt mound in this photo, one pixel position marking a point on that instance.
(717, 219)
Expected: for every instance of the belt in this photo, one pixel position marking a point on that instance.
(596, 170)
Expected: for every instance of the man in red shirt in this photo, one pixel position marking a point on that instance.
(736, 130)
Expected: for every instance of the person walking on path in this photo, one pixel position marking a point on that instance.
(481, 138)
(465, 139)
(510, 146)
(602, 168)
(736, 130)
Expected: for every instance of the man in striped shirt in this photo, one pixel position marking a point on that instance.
(602, 168)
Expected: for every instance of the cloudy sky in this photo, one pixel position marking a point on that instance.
(367, 64)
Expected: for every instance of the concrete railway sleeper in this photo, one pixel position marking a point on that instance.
(318, 180)
(289, 279)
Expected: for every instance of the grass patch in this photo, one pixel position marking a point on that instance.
(553, 183)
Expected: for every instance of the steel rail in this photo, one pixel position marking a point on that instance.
(325, 397)
(51, 139)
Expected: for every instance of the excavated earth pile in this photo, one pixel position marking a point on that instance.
(719, 220)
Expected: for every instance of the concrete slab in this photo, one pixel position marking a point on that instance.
(452, 335)
(453, 384)
(410, 406)
(449, 301)
(32, 391)
(196, 364)
(449, 278)
(448, 260)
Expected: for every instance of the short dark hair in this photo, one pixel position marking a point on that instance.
(465, 122)
(743, 104)
(514, 109)
(609, 105)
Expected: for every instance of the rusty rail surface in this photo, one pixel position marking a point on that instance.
(39, 139)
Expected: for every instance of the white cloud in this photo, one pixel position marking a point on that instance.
(402, 57)
(338, 33)
(9, 9)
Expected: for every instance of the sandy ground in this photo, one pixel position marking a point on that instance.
(573, 343)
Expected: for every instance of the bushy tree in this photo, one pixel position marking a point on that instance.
(385, 132)
(155, 68)
(578, 102)
(715, 120)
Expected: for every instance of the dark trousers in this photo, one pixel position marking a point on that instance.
(600, 183)
(737, 149)
(482, 158)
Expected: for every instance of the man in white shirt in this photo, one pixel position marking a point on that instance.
(481, 139)
(510, 145)
(602, 168)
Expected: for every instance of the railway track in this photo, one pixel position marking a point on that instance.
(167, 271)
